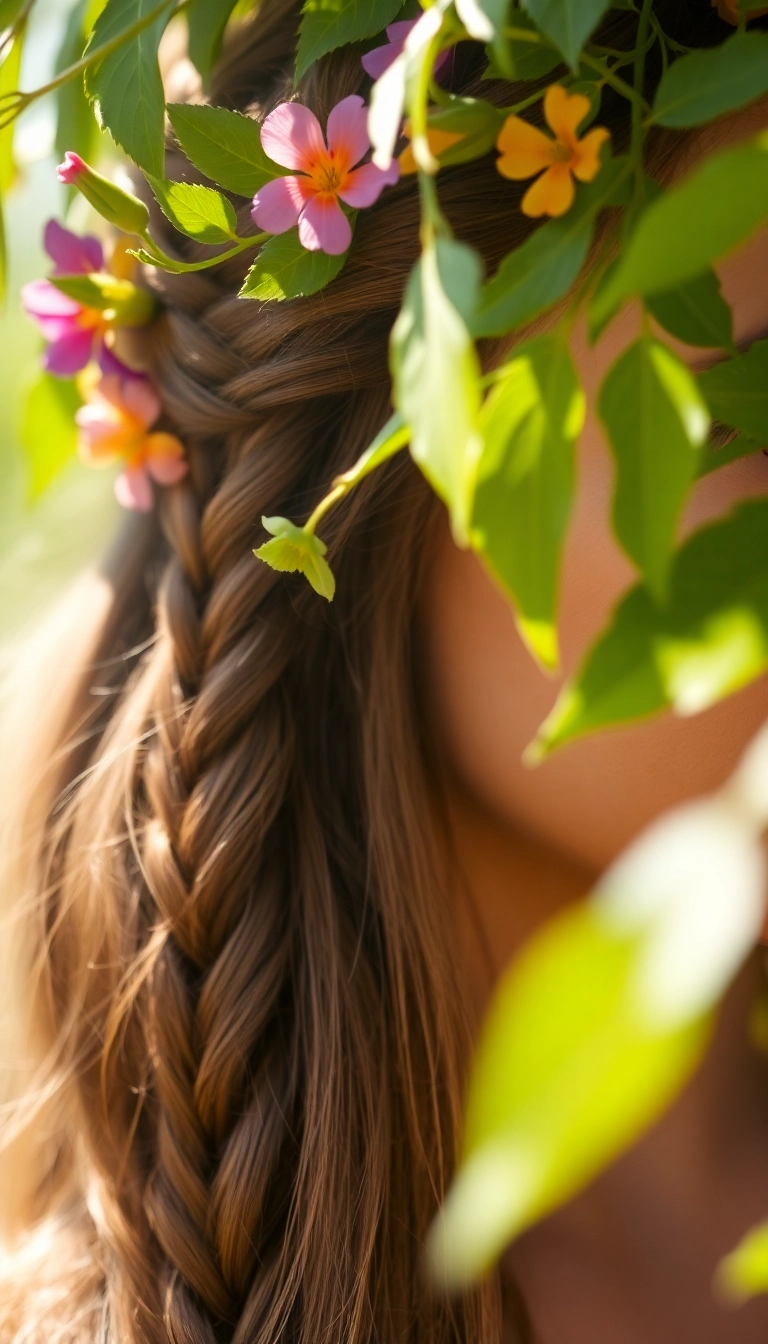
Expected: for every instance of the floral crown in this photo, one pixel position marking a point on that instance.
(498, 447)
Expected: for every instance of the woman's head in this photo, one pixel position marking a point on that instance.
(247, 996)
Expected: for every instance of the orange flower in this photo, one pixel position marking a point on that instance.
(729, 11)
(526, 151)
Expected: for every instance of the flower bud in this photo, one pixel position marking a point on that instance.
(118, 207)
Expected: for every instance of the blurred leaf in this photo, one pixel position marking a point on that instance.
(436, 373)
(126, 87)
(568, 1072)
(736, 391)
(224, 145)
(207, 20)
(567, 23)
(392, 89)
(727, 196)
(328, 24)
(695, 312)
(522, 60)
(744, 1273)
(708, 641)
(9, 12)
(285, 270)
(198, 212)
(656, 423)
(711, 459)
(76, 126)
(539, 272)
(530, 423)
(706, 84)
(9, 80)
(293, 550)
(477, 122)
(483, 19)
(48, 430)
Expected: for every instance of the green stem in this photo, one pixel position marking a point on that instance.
(638, 126)
(24, 100)
(166, 263)
(345, 483)
(615, 81)
(17, 27)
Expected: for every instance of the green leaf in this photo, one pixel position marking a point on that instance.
(126, 87)
(198, 212)
(695, 312)
(691, 226)
(226, 146)
(328, 24)
(706, 84)
(436, 373)
(530, 423)
(48, 430)
(285, 270)
(569, 1071)
(708, 641)
(207, 20)
(736, 391)
(744, 1273)
(567, 23)
(711, 459)
(483, 19)
(76, 126)
(656, 423)
(292, 550)
(535, 275)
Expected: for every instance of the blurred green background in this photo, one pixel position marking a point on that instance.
(43, 545)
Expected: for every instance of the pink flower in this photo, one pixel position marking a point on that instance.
(120, 409)
(377, 61)
(71, 329)
(68, 171)
(292, 137)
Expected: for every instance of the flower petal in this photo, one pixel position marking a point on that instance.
(292, 137)
(166, 462)
(278, 204)
(133, 490)
(551, 194)
(139, 399)
(586, 159)
(399, 30)
(70, 353)
(323, 226)
(71, 254)
(525, 149)
(347, 131)
(366, 183)
(377, 61)
(564, 111)
(42, 299)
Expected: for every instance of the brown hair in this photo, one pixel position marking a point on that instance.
(246, 1037)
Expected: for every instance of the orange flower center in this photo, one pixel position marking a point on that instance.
(562, 153)
(329, 175)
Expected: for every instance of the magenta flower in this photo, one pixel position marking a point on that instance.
(377, 61)
(292, 137)
(115, 423)
(71, 329)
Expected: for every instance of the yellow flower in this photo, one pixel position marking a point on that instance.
(526, 151)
